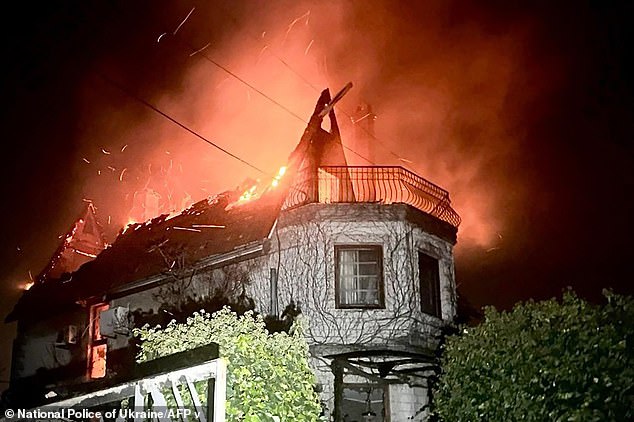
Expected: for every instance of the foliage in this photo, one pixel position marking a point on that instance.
(546, 361)
(268, 377)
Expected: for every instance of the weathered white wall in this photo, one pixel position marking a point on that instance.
(302, 250)
(39, 347)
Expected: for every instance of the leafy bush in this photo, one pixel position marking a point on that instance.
(546, 361)
(268, 377)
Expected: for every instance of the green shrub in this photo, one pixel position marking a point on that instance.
(268, 377)
(545, 361)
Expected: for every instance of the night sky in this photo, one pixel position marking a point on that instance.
(525, 113)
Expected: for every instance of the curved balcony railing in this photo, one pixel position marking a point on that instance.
(386, 185)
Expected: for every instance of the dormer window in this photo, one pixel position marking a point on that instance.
(359, 276)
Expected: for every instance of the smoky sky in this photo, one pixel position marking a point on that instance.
(522, 112)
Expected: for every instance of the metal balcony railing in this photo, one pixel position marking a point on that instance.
(385, 185)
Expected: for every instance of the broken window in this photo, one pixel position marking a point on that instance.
(429, 276)
(359, 276)
(97, 345)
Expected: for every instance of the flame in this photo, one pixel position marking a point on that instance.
(27, 285)
(248, 194)
(276, 179)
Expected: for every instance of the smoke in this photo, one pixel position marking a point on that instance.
(440, 84)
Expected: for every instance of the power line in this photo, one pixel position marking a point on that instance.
(316, 89)
(246, 83)
(176, 122)
(215, 63)
(272, 100)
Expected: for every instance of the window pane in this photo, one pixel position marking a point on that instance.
(362, 402)
(368, 255)
(359, 275)
(368, 269)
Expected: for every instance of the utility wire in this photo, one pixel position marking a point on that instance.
(176, 122)
(316, 89)
(230, 73)
(272, 100)
(196, 51)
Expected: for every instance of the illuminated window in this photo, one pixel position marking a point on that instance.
(97, 346)
(429, 277)
(359, 276)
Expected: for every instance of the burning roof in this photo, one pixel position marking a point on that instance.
(213, 226)
(223, 224)
(159, 246)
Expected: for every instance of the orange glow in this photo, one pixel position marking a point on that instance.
(276, 179)
(98, 362)
(98, 346)
(27, 285)
(249, 194)
(430, 117)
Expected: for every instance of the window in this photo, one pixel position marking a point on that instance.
(363, 402)
(429, 277)
(97, 346)
(359, 276)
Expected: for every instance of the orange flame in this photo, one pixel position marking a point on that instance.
(248, 194)
(276, 179)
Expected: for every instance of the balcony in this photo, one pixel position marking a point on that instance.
(371, 184)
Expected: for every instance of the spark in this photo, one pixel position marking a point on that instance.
(200, 49)
(263, 34)
(261, 53)
(161, 36)
(360, 118)
(187, 228)
(112, 168)
(290, 27)
(121, 175)
(105, 151)
(86, 160)
(167, 152)
(310, 44)
(109, 219)
(124, 147)
(28, 285)
(30, 275)
(208, 226)
(405, 160)
(98, 172)
(90, 255)
(184, 20)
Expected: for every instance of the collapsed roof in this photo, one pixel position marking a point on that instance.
(214, 226)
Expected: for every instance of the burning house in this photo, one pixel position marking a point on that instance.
(366, 254)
